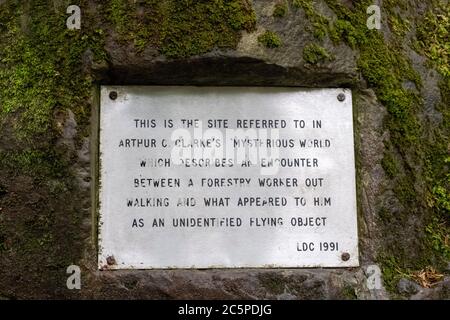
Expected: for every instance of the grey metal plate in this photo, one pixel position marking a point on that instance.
(157, 176)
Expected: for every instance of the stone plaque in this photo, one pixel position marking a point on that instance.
(226, 177)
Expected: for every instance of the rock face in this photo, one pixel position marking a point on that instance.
(406, 286)
(49, 78)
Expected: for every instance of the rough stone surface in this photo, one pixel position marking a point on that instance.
(406, 286)
(440, 291)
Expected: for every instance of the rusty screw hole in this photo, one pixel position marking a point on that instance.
(113, 95)
(345, 256)
(110, 260)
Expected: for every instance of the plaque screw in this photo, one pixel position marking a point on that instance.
(345, 256)
(341, 97)
(110, 260)
(113, 95)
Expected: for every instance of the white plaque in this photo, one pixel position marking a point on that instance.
(226, 177)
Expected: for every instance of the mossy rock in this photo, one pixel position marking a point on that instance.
(314, 54)
(270, 39)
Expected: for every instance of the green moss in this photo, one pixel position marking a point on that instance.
(438, 237)
(319, 30)
(120, 14)
(406, 192)
(349, 292)
(182, 28)
(41, 74)
(392, 4)
(42, 69)
(432, 37)
(319, 23)
(140, 30)
(390, 165)
(438, 159)
(280, 10)
(41, 77)
(38, 163)
(398, 24)
(196, 27)
(345, 30)
(314, 54)
(270, 39)
(385, 68)
(306, 5)
(392, 272)
(441, 195)
(413, 161)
